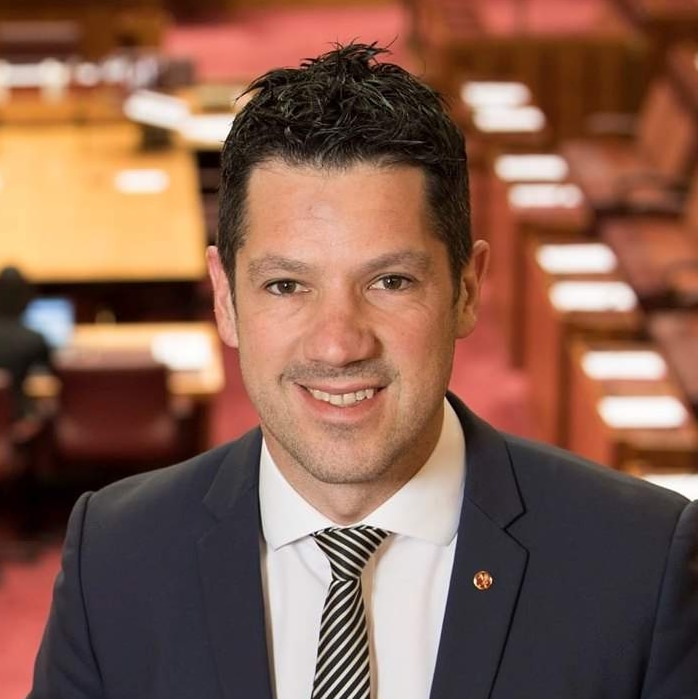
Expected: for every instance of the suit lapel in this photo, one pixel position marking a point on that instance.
(229, 564)
(476, 622)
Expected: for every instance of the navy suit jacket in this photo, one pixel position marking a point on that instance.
(595, 590)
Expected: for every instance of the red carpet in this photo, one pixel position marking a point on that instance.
(253, 43)
(25, 595)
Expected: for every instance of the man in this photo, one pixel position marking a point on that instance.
(374, 538)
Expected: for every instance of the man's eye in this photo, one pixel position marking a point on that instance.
(392, 282)
(284, 287)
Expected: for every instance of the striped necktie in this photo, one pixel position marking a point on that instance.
(342, 668)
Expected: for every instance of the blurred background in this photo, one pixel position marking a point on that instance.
(581, 119)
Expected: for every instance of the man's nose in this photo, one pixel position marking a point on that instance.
(340, 331)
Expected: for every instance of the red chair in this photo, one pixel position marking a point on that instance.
(115, 410)
(619, 175)
(659, 256)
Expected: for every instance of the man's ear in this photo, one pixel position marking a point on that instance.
(471, 281)
(222, 298)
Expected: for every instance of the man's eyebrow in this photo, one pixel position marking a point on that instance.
(417, 261)
(267, 265)
(273, 264)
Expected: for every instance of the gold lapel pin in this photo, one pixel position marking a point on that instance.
(483, 580)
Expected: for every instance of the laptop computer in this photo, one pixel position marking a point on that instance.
(53, 317)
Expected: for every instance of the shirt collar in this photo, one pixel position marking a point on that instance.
(427, 507)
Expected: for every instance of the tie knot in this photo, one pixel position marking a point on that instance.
(349, 548)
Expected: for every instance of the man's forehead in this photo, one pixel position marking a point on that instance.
(368, 195)
(382, 208)
(372, 192)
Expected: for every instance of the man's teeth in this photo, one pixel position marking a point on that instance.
(342, 399)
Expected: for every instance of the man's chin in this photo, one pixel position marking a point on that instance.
(343, 464)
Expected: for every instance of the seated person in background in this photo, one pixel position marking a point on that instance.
(21, 349)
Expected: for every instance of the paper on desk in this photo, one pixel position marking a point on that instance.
(478, 94)
(212, 129)
(531, 167)
(182, 351)
(141, 181)
(569, 296)
(582, 258)
(509, 120)
(642, 412)
(627, 364)
(545, 196)
(156, 109)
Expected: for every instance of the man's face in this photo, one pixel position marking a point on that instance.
(345, 321)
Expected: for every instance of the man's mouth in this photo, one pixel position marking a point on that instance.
(342, 400)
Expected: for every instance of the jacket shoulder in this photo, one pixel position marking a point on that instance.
(552, 478)
(172, 497)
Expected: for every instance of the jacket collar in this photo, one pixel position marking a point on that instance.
(490, 482)
(477, 619)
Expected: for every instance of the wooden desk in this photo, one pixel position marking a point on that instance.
(495, 127)
(632, 448)
(549, 328)
(577, 62)
(63, 220)
(511, 227)
(200, 382)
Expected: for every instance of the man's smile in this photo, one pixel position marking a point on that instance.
(342, 400)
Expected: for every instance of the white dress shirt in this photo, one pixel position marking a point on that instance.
(405, 583)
